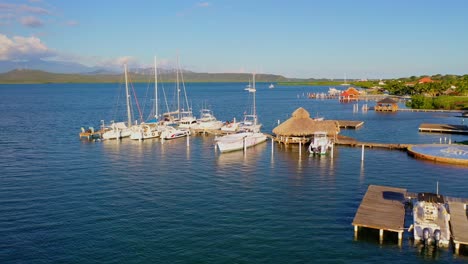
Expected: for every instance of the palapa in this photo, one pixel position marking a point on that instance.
(300, 124)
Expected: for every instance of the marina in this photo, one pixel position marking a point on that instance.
(182, 200)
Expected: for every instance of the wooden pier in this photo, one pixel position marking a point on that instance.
(351, 142)
(442, 128)
(382, 208)
(458, 222)
(350, 124)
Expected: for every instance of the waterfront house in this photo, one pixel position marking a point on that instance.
(351, 94)
(300, 128)
(387, 104)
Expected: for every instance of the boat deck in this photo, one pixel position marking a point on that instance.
(382, 208)
(458, 221)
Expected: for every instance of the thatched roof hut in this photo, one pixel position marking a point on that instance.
(387, 104)
(301, 125)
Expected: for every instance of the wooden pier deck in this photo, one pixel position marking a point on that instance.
(351, 142)
(458, 222)
(382, 208)
(350, 124)
(442, 128)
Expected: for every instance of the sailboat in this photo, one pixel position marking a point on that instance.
(250, 136)
(249, 87)
(271, 86)
(182, 117)
(345, 83)
(120, 129)
(151, 128)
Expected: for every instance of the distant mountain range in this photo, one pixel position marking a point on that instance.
(37, 76)
(40, 71)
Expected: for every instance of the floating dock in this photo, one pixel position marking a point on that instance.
(458, 222)
(382, 208)
(442, 128)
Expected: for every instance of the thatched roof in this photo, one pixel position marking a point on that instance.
(300, 124)
(387, 100)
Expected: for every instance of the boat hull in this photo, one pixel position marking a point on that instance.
(239, 141)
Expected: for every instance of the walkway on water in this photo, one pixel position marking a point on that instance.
(443, 128)
(351, 142)
(382, 208)
(458, 222)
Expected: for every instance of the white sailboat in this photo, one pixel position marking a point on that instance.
(120, 129)
(152, 128)
(245, 139)
(249, 87)
(345, 83)
(182, 117)
(271, 86)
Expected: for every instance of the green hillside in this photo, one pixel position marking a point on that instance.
(36, 76)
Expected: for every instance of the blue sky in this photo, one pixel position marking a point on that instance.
(306, 39)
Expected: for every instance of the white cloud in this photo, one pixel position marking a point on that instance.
(27, 15)
(72, 23)
(203, 4)
(23, 48)
(31, 21)
(33, 9)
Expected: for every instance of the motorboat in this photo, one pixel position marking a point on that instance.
(172, 133)
(431, 220)
(207, 121)
(320, 143)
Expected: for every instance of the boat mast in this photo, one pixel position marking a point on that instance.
(129, 115)
(178, 89)
(254, 107)
(156, 114)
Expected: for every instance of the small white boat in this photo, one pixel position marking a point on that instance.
(117, 131)
(207, 121)
(239, 141)
(250, 136)
(271, 86)
(172, 133)
(232, 126)
(320, 143)
(431, 220)
(145, 131)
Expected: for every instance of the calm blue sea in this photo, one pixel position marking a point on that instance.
(67, 201)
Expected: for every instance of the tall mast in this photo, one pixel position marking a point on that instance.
(156, 114)
(129, 115)
(255, 91)
(178, 89)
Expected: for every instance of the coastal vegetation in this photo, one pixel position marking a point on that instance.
(36, 76)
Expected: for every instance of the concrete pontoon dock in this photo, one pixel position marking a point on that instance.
(382, 208)
(458, 222)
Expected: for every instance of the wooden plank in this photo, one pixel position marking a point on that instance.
(382, 208)
(443, 128)
(458, 221)
(349, 123)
